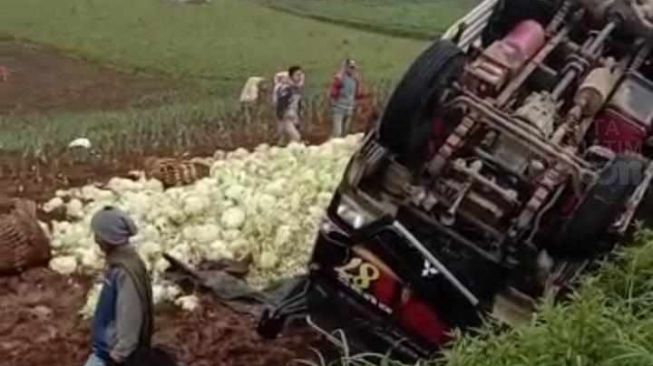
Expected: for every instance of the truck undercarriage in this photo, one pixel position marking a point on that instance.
(511, 156)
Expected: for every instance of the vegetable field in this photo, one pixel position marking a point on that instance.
(218, 44)
(190, 62)
(419, 19)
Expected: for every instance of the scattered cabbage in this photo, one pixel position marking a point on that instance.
(266, 203)
(188, 303)
(65, 265)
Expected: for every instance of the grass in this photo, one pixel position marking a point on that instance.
(609, 323)
(421, 19)
(196, 127)
(114, 131)
(219, 44)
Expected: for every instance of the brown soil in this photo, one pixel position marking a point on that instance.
(39, 326)
(39, 79)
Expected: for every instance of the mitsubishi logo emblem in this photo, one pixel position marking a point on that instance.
(429, 270)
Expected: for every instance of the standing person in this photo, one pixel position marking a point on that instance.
(288, 97)
(346, 90)
(123, 319)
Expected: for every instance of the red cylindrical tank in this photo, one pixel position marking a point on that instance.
(527, 37)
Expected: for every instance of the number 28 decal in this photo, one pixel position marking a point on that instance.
(358, 273)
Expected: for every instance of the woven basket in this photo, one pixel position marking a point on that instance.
(175, 173)
(23, 244)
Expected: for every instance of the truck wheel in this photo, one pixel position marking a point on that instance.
(407, 122)
(584, 235)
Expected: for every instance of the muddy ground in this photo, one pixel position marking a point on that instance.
(38, 79)
(39, 321)
(39, 326)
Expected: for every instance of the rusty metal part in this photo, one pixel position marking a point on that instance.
(503, 58)
(596, 88)
(597, 42)
(174, 172)
(525, 134)
(552, 179)
(23, 244)
(478, 207)
(453, 142)
(449, 217)
(460, 239)
(539, 110)
(559, 17)
(508, 195)
(520, 78)
(580, 62)
(590, 98)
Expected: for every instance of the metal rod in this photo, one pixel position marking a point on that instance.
(466, 215)
(567, 79)
(479, 178)
(492, 160)
(436, 263)
(518, 80)
(633, 203)
(590, 51)
(641, 55)
(559, 17)
(601, 37)
(513, 128)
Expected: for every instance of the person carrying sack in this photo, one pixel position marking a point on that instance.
(124, 317)
(346, 91)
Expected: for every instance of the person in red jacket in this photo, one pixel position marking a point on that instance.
(346, 91)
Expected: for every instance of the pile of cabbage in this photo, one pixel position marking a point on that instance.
(267, 203)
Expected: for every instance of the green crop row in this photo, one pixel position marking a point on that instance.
(419, 19)
(218, 44)
(195, 128)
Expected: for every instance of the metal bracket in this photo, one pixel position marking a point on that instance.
(436, 263)
(621, 225)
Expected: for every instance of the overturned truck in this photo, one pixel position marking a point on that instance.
(513, 154)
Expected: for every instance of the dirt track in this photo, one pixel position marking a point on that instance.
(41, 80)
(39, 326)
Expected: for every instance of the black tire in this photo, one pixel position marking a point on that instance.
(407, 122)
(584, 235)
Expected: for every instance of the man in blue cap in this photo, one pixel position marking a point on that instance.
(123, 320)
